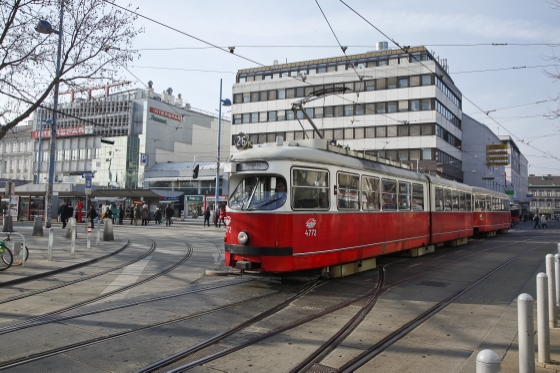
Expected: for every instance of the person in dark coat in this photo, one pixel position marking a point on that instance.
(145, 215)
(158, 216)
(64, 214)
(91, 215)
(121, 214)
(168, 215)
(207, 214)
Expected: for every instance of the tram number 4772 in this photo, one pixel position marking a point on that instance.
(311, 232)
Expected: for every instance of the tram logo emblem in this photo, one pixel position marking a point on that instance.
(310, 223)
(227, 220)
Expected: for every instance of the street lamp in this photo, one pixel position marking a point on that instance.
(224, 102)
(44, 27)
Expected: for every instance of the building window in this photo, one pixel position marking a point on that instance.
(246, 118)
(318, 112)
(370, 85)
(263, 116)
(272, 116)
(391, 107)
(391, 131)
(254, 96)
(426, 104)
(380, 108)
(281, 94)
(414, 105)
(237, 119)
(403, 82)
(403, 105)
(391, 83)
(426, 80)
(381, 132)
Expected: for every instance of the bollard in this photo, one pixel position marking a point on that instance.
(37, 226)
(558, 247)
(71, 223)
(487, 361)
(108, 231)
(542, 319)
(51, 235)
(9, 227)
(557, 272)
(88, 242)
(526, 332)
(98, 232)
(23, 255)
(73, 244)
(552, 317)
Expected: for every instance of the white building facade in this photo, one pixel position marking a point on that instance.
(395, 105)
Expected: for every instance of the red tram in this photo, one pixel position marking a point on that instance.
(308, 204)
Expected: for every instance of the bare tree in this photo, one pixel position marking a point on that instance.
(96, 45)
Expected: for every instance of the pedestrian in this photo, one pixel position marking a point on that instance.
(121, 214)
(207, 214)
(91, 215)
(536, 219)
(79, 206)
(222, 217)
(63, 213)
(137, 214)
(108, 214)
(168, 215)
(145, 215)
(543, 223)
(131, 212)
(157, 216)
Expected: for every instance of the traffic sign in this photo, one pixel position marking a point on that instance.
(88, 184)
(87, 174)
(143, 159)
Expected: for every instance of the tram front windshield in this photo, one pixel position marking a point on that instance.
(259, 193)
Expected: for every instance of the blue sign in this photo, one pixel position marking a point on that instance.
(143, 159)
(87, 174)
(88, 182)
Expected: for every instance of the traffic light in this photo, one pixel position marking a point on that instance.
(195, 172)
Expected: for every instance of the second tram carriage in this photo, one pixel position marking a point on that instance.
(298, 206)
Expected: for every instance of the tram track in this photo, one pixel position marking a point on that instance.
(33, 320)
(339, 337)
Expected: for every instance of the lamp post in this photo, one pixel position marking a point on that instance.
(224, 102)
(44, 27)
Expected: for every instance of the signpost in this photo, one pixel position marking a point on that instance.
(88, 176)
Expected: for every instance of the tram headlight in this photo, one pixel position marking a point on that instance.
(243, 238)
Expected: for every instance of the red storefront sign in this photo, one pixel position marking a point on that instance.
(165, 114)
(60, 132)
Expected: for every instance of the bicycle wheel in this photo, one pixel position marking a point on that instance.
(6, 259)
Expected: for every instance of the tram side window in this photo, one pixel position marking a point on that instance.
(506, 205)
(404, 195)
(479, 203)
(495, 204)
(439, 199)
(310, 189)
(348, 191)
(389, 194)
(489, 203)
(370, 193)
(447, 197)
(455, 199)
(462, 201)
(417, 197)
(468, 202)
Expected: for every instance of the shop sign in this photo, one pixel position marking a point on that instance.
(158, 119)
(165, 114)
(62, 132)
(168, 198)
(194, 198)
(137, 202)
(213, 198)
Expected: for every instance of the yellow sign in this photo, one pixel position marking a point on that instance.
(496, 146)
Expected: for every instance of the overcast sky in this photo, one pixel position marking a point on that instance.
(258, 29)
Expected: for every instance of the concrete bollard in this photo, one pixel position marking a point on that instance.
(552, 317)
(526, 332)
(71, 223)
(73, 244)
(558, 247)
(9, 227)
(88, 242)
(38, 226)
(50, 247)
(98, 234)
(487, 361)
(557, 272)
(542, 319)
(108, 231)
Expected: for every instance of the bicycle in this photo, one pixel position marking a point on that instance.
(6, 256)
(17, 261)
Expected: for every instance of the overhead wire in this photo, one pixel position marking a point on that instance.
(465, 97)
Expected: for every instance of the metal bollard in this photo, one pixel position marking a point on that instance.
(558, 247)
(526, 332)
(542, 319)
(98, 233)
(73, 237)
(487, 361)
(557, 272)
(88, 238)
(23, 256)
(50, 247)
(552, 317)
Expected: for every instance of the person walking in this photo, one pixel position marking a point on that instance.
(131, 212)
(168, 215)
(79, 206)
(91, 215)
(222, 217)
(108, 214)
(121, 214)
(145, 215)
(137, 214)
(543, 221)
(157, 216)
(63, 213)
(207, 214)
(536, 219)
